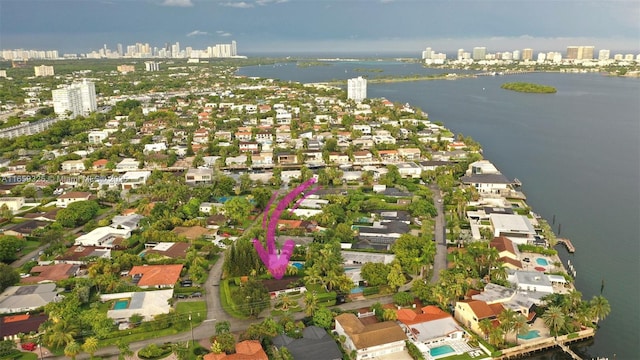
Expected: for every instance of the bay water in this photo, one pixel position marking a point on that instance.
(577, 153)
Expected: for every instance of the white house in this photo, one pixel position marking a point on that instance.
(409, 170)
(73, 166)
(517, 228)
(154, 147)
(102, 237)
(97, 136)
(13, 203)
(199, 176)
(134, 179)
(127, 164)
(145, 303)
(67, 198)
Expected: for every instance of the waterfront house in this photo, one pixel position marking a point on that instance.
(371, 340)
(488, 183)
(517, 228)
(470, 312)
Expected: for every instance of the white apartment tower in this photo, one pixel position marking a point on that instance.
(43, 70)
(357, 88)
(604, 54)
(75, 99)
(151, 66)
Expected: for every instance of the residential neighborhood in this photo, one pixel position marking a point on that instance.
(130, 231)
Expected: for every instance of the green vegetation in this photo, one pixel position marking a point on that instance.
(529, 88)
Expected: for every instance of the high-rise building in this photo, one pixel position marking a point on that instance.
(479, 53)
(151, 66)
(604, 54)
(43, 70)
(120, 50)
(75, 99)
(357, 88)
(426, 54)
(527, 54)
(234, 48)
(587, 52)
(580, 52)
(460, 54)
(572, 52)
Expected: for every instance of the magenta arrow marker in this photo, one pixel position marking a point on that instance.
(277, 261)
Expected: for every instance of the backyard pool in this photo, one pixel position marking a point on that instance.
(121, 304)
(441, 350)
(531, 334)
(542, 261)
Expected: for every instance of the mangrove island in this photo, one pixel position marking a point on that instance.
(529, 88)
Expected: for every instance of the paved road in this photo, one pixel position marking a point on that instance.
(440, 260)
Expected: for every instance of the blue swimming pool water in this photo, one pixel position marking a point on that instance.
(441, 350)
(542, 261)
(357, 290)
(532, 334)
(298, 265)
(121, 304)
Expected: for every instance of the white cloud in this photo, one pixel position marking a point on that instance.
(267, 2)
(223, 33)
(239, 4)
(179, 3)
(197, 33)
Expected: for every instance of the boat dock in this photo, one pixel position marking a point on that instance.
(567, 243)
(533, 347)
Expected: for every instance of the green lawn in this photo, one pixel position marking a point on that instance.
(18, 355)
(227, 302)
(197, 309)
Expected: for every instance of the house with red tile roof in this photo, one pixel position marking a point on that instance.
(470, 312)
(245, 350)
(156, 276)
(50, 273)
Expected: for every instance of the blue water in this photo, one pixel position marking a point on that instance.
(298, 265)
(357, 290)
(532, 334)
(121, 304)
(441, 350)
(576, 152)
(542, 261)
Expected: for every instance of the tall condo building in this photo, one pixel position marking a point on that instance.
(151, 66)
(604, 54)
(527, 54)
(580, 52)
(479, 53)
(75, 99)
(43, 70)
(357, 88)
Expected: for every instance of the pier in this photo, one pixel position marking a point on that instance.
(532, 347)
(567, 243)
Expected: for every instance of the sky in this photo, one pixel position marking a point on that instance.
(321, 26)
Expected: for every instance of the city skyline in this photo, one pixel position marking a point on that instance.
(336, 26)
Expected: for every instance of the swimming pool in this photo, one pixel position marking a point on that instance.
(542, 261)
(441, 350)
(531, 334)
(121, 304)
(357, 290)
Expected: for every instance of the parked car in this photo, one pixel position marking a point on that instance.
(181, 296)
(196, 294)
(29, 346)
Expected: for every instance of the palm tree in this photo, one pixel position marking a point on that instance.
(389, 315)
(311, 303)
(507, 321)
(61, 333)
(520, 326)
(90, 345)
(554, 318)
(72, 349)
(496, 334)
(123, 350)
(485, 326)
(601, 307)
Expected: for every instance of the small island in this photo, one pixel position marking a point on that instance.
(529, 88)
